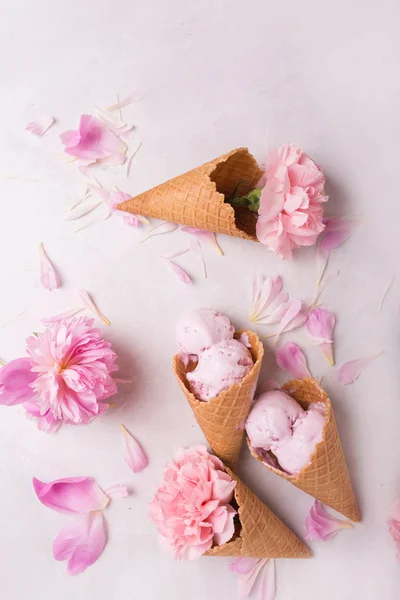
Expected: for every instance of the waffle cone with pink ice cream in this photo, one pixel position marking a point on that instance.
(293, 433)
(217, 370)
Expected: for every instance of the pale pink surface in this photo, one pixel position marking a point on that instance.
(320, 525)
(134, 455)
(201, 328)
(320, 325)
(93, 140)
(394, 525)
(73, 495)
(16, 378)
(73, 363)
(290, 213)
(219, 367)
(277, 423)
(191, 508)
(81, 542)
(292, 360)
(40, 126)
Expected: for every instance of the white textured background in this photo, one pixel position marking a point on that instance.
(215, 75)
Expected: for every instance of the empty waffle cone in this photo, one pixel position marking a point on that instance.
(260, 533)
(197, 198)
(326, 476)
(222, 418)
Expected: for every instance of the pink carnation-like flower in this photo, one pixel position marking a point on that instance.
(191, 509)
(65, 378)
(290, 213)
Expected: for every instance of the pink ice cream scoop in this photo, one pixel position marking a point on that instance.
(278, 424)
(202, 328)
(219, 367)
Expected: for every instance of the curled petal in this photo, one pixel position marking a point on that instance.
(88, 303)
(118, 490)
(49, 278)
(134, 454)
(81, 542)
(73, 495)
(320, 525)
(160, 229)
(351, 370)
(179, 272)
(292, 360)
(40, 126)
(320, 325)
(292, 312)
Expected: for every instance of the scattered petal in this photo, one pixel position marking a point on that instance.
(81, 542)
(88, 303)
(73, 495)
(320, 325)
(160, 229)
(337, 231)
(49, 278)
(17, 316)
(351, 370)
(385, 293)
(129, 99)
(196, 248)
(95, 222)
(205, 235)
(320, 525)
(20, 178)
(118, 490)
(134, 454)
(252, 571)
(93, 141)
(179, 272)
(66, 314)
(175, 254)
(290, 314)
(321, 287)
(73, 215)
(292, 360)
(82, 198)
(130, 159)
(269, 303)
(40, 126)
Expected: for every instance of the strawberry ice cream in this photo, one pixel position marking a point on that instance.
(279, 428)
(202, 328)
(219, 367)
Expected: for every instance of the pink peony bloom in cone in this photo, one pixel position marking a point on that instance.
(191, 509)
(66, 377)
(290, 212)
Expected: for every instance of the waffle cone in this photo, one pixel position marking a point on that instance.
(326, 476)
(260, 533)
(197, 198)
(222, 418)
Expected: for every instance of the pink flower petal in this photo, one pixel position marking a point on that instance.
(351, 370)
(267, 580)
(243, 564)
(176, 254)
(93, 141)
(196, 248)
(385, 293)
(134, 454)
(15, 382)
(204, 235)
(255, 574)
(81, 211)
(81, 542)
(71, 495)
(129, 99)
(88, 303)
(179, 272)
(161, 229)
(320, 525)
(292, 360)
(118, 490)
(40, 126)
(337, 231)
(320, 325)
(49, 278)
(66, 314)
(394, 512)
(291, 313)
(269, 303)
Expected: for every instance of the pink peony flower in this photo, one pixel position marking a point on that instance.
(290, 212)
(191, 509)
(65, 378)
(394, 526)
